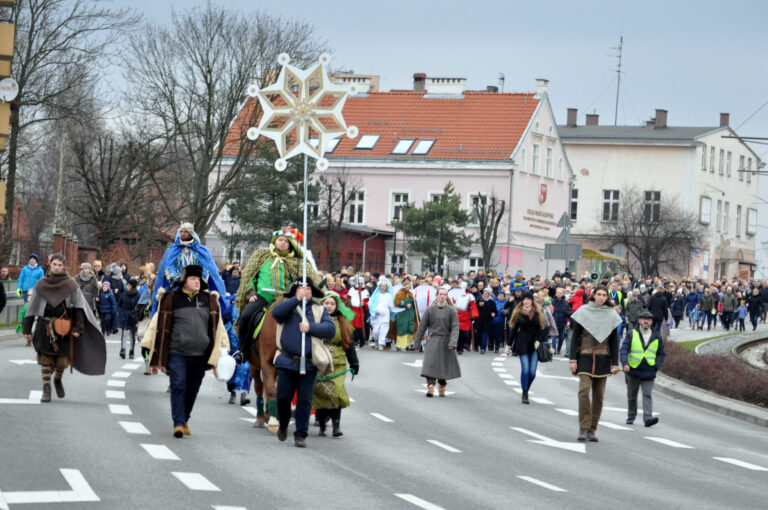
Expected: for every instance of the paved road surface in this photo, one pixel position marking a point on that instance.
(478, 448)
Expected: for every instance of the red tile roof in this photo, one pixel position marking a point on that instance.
(479, 126)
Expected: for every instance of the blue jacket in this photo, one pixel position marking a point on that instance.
(29, 277)
(561, 311)
(677, 306)
(742, 312)
(692, 300)
(499, 319)
(644, 370)
(107, 302)
(285, 313)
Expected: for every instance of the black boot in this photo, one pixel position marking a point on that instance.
(46, 393)
(322, 421)
(59, 387)
(336, 420)
(122, 353)
(244, 400)
(525, 397)
(130, 354)
(232, 396)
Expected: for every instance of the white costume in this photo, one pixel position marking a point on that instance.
(381, 305)
(424, 295)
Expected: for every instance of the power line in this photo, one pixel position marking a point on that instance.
(752, 115)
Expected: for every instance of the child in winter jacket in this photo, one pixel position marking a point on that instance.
(741, 314)
(696, 317)
(126, 303)
(107, 306)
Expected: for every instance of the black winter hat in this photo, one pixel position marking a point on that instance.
(191, 270)
(298, 283)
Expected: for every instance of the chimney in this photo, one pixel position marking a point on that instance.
(592, 119)
(419, 82)
(725, 119)
(542, 86)
(650, 122)
(571, 122)
(661, 119)
(491, 88)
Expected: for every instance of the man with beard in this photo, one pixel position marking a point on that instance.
(642, 353)
(62, 328)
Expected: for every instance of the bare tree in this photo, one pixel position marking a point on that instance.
(656, 232)
(336, 192)
(187, 85)
(488, 211)
(57, 42)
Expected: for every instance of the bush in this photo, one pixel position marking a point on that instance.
(724, 375)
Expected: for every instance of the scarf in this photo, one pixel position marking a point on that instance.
(32, 265)
(599, 321)
(84, 277)
(55, 288)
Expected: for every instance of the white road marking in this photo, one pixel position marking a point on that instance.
(569, 412)
(195, 481)
(134, 427)
(417, 363)
(443, 446)
(500, 358)
(424, 390)
(506, 376)
(497, 364)
(160, 452)
(511, 383)
(23, 361)
(613, 426)
(499, 369)
(113, 341)
(119, 409)
(116, 384)
(563, 377)
(80, 492)
(114, 394)
(382, 418)
(219, 507)
(34, 398)
(35, 395)
(421, 503)
(546, 441)
(741, 463)
(122, 375)
(620, 409)
(542, 484)
(540, 400)
(131, 366)
(250, 410)
(351, 399)
(668, 442)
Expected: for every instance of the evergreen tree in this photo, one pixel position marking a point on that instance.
(436, 229)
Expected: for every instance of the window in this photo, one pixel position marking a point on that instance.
(560, 169)
(726, 206)
(719, 219)
(330, 145)
(751, 222)
(402, 146)
(712, 160)
(313, 210)
(476, 202)
(705, 210)
(610, 204)
(652, 206)
(423, 147)
(574, 204)
(356, 208)
(738, 221)
(475, 263)
(399, 200)
(522, 160)
(749, 170)
(550, 163)
(435, 197)
(704, 158)
(720, 162)
(535, 159)
(728, 164)
(367, 142)
(741, 168)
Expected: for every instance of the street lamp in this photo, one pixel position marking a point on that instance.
(395, 219)
(232, 224)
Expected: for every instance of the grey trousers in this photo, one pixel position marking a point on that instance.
(634, 384)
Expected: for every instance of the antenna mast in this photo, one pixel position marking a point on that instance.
(618, 81)
(501, 82)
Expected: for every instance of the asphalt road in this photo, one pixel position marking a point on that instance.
(477, 448)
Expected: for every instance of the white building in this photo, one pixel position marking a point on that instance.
(709, 170)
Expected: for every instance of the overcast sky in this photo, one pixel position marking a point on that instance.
(692, 58)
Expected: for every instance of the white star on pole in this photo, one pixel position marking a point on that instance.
(300, 104)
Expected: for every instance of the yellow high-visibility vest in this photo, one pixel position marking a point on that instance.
(637, 353)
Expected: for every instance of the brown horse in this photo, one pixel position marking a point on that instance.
(261, 359)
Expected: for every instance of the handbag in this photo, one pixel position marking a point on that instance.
(322, 357)
(325, 389)
(544, 351)
(62, 326)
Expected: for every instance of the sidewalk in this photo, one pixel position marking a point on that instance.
(683, 334)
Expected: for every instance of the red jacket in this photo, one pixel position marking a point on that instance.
(577, 300)
(465, 317)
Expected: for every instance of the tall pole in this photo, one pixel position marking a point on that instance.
(618, 83)
(57, 219)
(405, 216)
(303, 360)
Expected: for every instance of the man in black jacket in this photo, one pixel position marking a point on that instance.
(659, 307)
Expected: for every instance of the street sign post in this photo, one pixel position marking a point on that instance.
(562, 251)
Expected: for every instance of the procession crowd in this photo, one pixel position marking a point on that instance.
(191, 316)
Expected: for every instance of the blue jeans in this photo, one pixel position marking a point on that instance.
(483, 341)
(557, 341)
(106, 323)
(186, 373)
(497, 336)
(528, 363)
(288, 382)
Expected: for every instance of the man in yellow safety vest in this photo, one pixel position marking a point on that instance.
(641, 355)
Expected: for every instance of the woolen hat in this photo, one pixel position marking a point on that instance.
(645, 314)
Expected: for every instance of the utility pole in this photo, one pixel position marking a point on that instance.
(618, 81)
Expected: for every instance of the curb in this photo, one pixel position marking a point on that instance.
(723, 405)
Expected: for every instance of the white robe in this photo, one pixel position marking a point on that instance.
(424, 296)
(380, 317)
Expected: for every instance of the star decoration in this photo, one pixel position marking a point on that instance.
(300, 107)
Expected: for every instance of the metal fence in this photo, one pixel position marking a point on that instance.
(12, 304)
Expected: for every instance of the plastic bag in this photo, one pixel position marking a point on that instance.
(225, 368)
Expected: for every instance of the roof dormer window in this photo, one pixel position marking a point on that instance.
(403, 146)
(423, 147)
(367, 142)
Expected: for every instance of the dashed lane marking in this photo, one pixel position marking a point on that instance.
(250, 410)
(134, 427)
(668, 442)
(546, 485)
(569, 412)
(741, 463)
(131, 366)
(421, 503)
(509, 382)
(500, 358)
(195, 481)
(620, 409)
(34, 398)
(613, 426)
(119, 409)
(112, 341)
(382, 418)
(121, 375)
(219, 507)
(115, 394)
(563, 377)
(116, 384)
(497, 364)
(499, 369)
(160, 452)
(506, 376)
(443, 446)
(540, 400)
